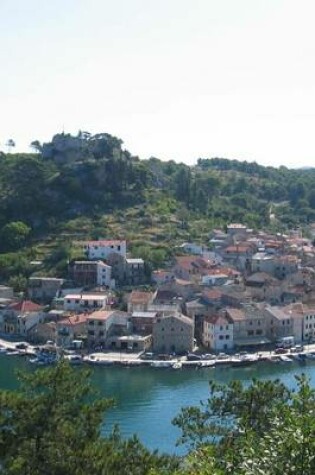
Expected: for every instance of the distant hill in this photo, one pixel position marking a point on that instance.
(93, 176)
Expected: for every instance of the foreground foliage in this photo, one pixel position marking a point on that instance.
(52, 426)
(264, 429)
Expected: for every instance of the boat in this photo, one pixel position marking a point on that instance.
(12, 352)
(310, 356)
(177, 365)
(162, 364)
(301, 357)
(207, 364)
(97, 360)
(246, 360)
(3, 350)
(285, 359)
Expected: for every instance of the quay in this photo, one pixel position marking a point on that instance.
(127, 359)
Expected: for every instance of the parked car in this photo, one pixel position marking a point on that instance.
(280, 351)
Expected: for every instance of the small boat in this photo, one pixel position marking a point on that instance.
(177, 365)
(285, 359)
(12, 352)
(301, 357)
(162, 364)
(3, 351)
(310, 356)
(207, 364)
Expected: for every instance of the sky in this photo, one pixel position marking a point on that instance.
(174, 79)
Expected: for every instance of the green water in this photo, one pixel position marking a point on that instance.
(147, 399)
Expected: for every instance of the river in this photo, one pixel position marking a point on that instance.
(147, 399)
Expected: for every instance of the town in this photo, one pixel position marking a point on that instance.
(245, 292)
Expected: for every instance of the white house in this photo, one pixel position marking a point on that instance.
(102, 249)
(192, 248)
(85, 301)
(218, 333)
(214, 279)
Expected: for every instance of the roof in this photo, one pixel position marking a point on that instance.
(212, 294)
(134, 261)
(104, 242)
(25, 306)
(237, 249)
(236, 314)
(138, 296)
(149, 315)
(74, 320)
(261, 277)
(180, 317)
(187, 262)
(100, 315)
(85, 296)
(236, 226)
(218, 320)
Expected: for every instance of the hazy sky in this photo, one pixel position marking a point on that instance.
(175, 79)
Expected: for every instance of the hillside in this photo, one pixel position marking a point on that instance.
(85, 186)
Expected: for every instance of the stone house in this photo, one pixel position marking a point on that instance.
(18, 318)
(142, 322)
(280, 324)
(249, 325)
(43, 289)
(173, 334)
(92, 274)
(139, 301)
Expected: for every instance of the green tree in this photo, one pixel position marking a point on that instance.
(14, 235)
(262, 429)
(52, 426)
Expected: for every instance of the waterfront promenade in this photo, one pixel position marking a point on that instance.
(134, 359)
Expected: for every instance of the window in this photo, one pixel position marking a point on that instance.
(101, 333)
(227, 337)
(250, 322)
(221, 337)
(250, 333)
(162, 329)
(221, 327)
(118, 247)
(91, 322)
(258, 332)
(258, 323)
(100, 323)
(91, 332)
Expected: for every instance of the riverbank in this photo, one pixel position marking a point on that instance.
(136, 359)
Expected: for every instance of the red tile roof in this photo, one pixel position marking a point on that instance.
(25, 306)
(74, 320)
